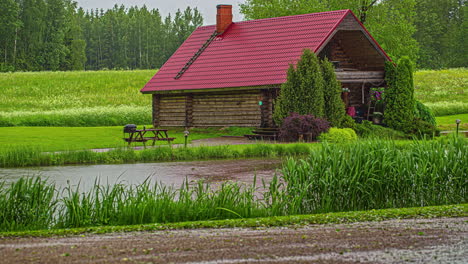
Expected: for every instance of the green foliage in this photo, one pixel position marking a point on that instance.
(334, 106)
(441, 32)
(391, 22)
(399, 111)
(368, 130)
(338, 135)
(422, 129)
(302, 92)
(57, 35)
(348, 122)
(423, 113)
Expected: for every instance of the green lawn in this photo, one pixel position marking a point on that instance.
(79, 138)
(448, 122)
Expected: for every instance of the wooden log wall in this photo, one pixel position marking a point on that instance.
(156, 103)
(171, 111)
(239, 108)
(230, 109)
(267, 108)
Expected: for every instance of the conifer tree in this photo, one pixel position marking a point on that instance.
(399, 110)
(302, 92)
(334, 106)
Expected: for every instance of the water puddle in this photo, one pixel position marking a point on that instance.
(169, 173)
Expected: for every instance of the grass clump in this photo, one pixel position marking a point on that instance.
(27, 204)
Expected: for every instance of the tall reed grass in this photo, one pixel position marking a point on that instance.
(377, 174)
(356, 176)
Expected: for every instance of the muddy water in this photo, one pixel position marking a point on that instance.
(169, 173)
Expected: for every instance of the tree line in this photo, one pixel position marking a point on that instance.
(55, 35)
(37, 35)
(431, 32)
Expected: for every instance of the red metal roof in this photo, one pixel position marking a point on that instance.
(249, 53)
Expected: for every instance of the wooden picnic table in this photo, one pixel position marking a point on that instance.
(155, 134)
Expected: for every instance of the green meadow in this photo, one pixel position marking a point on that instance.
(79, 98)
(445, 92)
(113, 98)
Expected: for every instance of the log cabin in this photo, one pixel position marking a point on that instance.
(229, 74)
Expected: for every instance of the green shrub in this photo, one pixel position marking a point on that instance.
(421, 129)
(348, 122)
(368, 130)
(338, 135)
(422, 112)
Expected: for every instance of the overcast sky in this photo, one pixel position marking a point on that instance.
(206, 7)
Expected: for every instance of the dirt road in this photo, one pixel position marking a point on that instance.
(443, 240)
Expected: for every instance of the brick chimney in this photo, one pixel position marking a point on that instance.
(223, 18)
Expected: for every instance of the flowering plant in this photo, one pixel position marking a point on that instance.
(377, 94)
(346, 90)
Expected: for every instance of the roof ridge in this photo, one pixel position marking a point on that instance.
(283, 17)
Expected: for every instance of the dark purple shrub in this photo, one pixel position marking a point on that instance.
(296, 125)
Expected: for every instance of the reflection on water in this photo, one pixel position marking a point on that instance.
(169, 173)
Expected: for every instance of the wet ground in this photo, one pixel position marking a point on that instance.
(397, 241)
(168, 173)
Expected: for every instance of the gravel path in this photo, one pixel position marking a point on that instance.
(442, 240)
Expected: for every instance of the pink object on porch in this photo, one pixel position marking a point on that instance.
(351, 111)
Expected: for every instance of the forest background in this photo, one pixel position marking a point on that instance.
(58, 35)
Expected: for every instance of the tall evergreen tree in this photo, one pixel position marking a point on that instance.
(9, 26)
(302, 92)
(399, 98)
(334, 106)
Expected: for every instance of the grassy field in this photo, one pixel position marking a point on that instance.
(81, 98)
(444, 91)
(448, 122)
(111, 98)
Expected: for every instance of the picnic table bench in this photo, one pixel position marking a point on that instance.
(141, 135)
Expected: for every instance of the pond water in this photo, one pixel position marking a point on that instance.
(168, 173)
